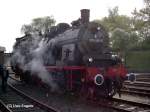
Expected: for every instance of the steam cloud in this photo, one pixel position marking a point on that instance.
(29, 57)
(33, 52)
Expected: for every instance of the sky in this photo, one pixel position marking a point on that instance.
(15, 13)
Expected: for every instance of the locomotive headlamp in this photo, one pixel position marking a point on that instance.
(90, 59)
(99, 79)
(98, 28)
(114, 56)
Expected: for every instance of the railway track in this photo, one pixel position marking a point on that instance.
(130, 106)
(138, 88)
(137, 84)
(17, 101)
(3, 107)
(70, 106)
(135, 92)
(143, 77)
(122, 105)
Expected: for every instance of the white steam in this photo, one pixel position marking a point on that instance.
(36, 65)
(29, 57)
(33, 52)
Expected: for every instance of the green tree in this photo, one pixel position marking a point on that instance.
(119, 39)
(122, 40)
(142, 20)
(114, 20)
(121, 30)
(41, 25)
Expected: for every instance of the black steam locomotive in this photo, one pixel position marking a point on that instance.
(77, 58)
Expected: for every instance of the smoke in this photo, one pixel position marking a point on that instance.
(32, 52)
(18, 58)
(29, 56)
(36, 65)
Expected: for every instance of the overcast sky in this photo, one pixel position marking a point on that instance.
(15, 13)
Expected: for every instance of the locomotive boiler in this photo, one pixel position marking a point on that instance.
(76, 58)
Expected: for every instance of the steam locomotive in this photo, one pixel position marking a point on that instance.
(77, 58)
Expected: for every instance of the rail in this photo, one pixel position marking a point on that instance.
(34, 101)
(3, 107)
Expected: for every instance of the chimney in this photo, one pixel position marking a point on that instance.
(85, 14)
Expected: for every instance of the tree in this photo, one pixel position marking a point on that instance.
(122, 40)
(114, 20)
(40, 25)
(120, 28)
(119, 39)
(142, 20)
